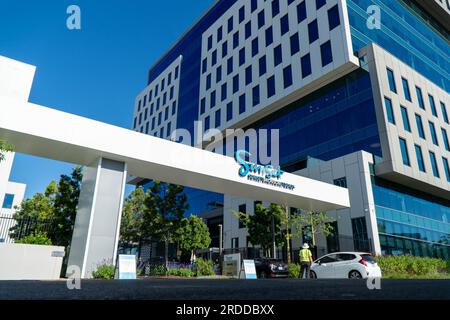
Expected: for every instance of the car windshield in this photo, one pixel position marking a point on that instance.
(368, 258)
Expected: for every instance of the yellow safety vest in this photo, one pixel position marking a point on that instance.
(305, 254)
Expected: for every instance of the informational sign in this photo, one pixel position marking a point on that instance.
(231, 265)
(127, 266)
(250, 269)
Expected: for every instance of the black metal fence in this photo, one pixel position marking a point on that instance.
(13, 229)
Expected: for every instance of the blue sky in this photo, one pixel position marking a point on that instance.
(94, 72)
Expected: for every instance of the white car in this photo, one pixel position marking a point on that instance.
(351, 265)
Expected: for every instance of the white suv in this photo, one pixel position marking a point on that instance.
(352, 265)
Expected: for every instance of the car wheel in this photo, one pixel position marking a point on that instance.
(313, 275)
(354, 275)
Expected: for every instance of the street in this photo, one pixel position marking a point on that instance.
(208, 289)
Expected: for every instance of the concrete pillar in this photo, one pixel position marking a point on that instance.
(97, 225)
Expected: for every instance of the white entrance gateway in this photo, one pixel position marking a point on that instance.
(110, 154)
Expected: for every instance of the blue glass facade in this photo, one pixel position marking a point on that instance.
(410, 222)
(406, 32)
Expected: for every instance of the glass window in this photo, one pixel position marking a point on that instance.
(230, 65)
(391, 80)
(242, 209)
(248, 75)
(230, 24)
(236, 83)
(284, 24)
(333, 17)
(256, 96)
(242, 104)
(306, 65)
(213, 99)
(445, 139)
(8, 201)
(420, 126)
(419, 157)
(320, 4)
(208, 82)
(295, 44)
(207, 124)
(219, 74)
(444, 112)
(235, 39)
(223, 91)
(301, 12)
(287, 76)
(404, 151)
(253, 5)
(241, 56)
(446, 168)
(269, 36)
(248, 30)
(261, 19)
(434, 165)
(217, 118)
(219, 34)
(420, 98)
(255, 47)
(214, 58)
(224, 49)
(313, 31)
(262, 66)
(326, 53)
(271, 87)
(406, 124)
(210, 41)
(275, 8)
(278, 56)
(341, 182)
(406, 91)
(241, 14)
(229, 111)
(433, 133)
(389, 110)
(432, 105)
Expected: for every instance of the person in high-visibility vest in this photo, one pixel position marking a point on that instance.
(305, 261)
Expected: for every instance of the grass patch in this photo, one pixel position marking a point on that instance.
(410, 267)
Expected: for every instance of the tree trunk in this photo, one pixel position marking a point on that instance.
(288, 236)
(166, 252)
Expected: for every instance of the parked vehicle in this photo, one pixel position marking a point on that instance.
(351, 265)
(271, 268)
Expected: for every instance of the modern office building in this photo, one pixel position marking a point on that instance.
(359, 90)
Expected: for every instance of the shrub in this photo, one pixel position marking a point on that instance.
(104, 271)
(158, 270)
(412, 266)
(182, 272)
(294, 270)
(203, 268)
(37, 238)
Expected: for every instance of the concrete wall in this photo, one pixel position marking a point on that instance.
(30, 262)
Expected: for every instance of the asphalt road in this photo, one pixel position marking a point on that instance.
(209, 289)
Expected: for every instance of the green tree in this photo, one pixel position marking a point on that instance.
(193, 235)
(133, 217)
(260, 225)
(317, 223)
(165, 208)
(5, 147)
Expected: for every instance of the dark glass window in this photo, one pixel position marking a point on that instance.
(306, 65)
(224, 49)
(208, 82)
(406, 89)
(287, 76)
(217, 119)
(210, 41)
(419, 157)
(391, 80)
(445, 139)
(405, 118)
(236, 83)
(313, 31)
(326, 53)
(213, 99)
(420, 126)
(219, 74)
(333, 17)
(340, 182)
(360, 237)
(241, 56)
(241, 14)
(230, 24)
(262, 66)
(204, 66)
(223, 92)
(271, 87)
(434, 165)
(269, 36)
(446, 168)
(284, 24)
(261, 19)
(235, 39)
(301, 12)
(320, 4)
(404, 151)
(420, 98)
(432, 105)
(433, 133)
(389, 110)
(278, 55)
(255, 47)
(229, 111)
(248, 30)
(207, 124)
(214, 58)
(253, 5)
(248, 75)
(256, 96)
(242, 104)
(275, 8)
(230, 65)
(219, 34)
(444, 112)
(295, 44)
